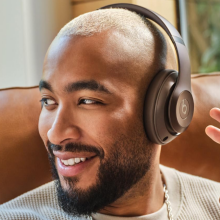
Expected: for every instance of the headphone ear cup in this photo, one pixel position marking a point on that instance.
(156, 120)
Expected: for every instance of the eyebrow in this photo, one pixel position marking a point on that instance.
(86, 85)
(91, 85)
(45, 85)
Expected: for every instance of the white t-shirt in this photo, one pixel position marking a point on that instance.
(159, 215)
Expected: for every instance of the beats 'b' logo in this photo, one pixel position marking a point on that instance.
(184, 108)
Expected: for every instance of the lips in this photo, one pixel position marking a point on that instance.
(68, 155)
(70, 164)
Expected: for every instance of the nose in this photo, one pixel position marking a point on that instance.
(63, 128)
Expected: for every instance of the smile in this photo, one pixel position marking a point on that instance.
(72, 164)
(73, 161)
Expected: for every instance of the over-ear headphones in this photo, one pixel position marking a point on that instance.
(169, 106)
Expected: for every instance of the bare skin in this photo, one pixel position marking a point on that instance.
(211, 131)
(64, 119)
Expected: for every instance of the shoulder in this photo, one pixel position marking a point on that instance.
(188, 180)
(40, 195)
(40, 203)
(198, 197)
(195, 184)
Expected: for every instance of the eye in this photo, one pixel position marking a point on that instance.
(90, 102)
(47, 102)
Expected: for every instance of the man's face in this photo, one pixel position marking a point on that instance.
(92, 117)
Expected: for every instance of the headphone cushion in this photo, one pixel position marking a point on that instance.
(156, 121)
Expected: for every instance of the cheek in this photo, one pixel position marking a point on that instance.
(106, 127)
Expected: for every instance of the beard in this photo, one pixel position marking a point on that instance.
(127, 163)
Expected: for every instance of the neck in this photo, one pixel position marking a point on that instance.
(144, 198)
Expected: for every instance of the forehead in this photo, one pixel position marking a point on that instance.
(103, 57)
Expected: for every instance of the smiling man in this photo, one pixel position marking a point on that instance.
(91, 90)
(96, 73)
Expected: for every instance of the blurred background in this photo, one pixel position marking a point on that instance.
(27, 28)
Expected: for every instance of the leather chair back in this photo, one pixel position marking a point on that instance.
(23, 157)
(193, 151)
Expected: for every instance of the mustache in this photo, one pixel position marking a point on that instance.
(75, 147)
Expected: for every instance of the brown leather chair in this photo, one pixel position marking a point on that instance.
(23, 158)
(193, 151)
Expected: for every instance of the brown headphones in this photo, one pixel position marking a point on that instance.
(169, 106)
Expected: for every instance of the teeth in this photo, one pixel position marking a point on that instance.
(77, 160)
(65, 162)
(72, 161)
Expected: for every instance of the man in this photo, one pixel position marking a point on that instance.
(95, 77)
